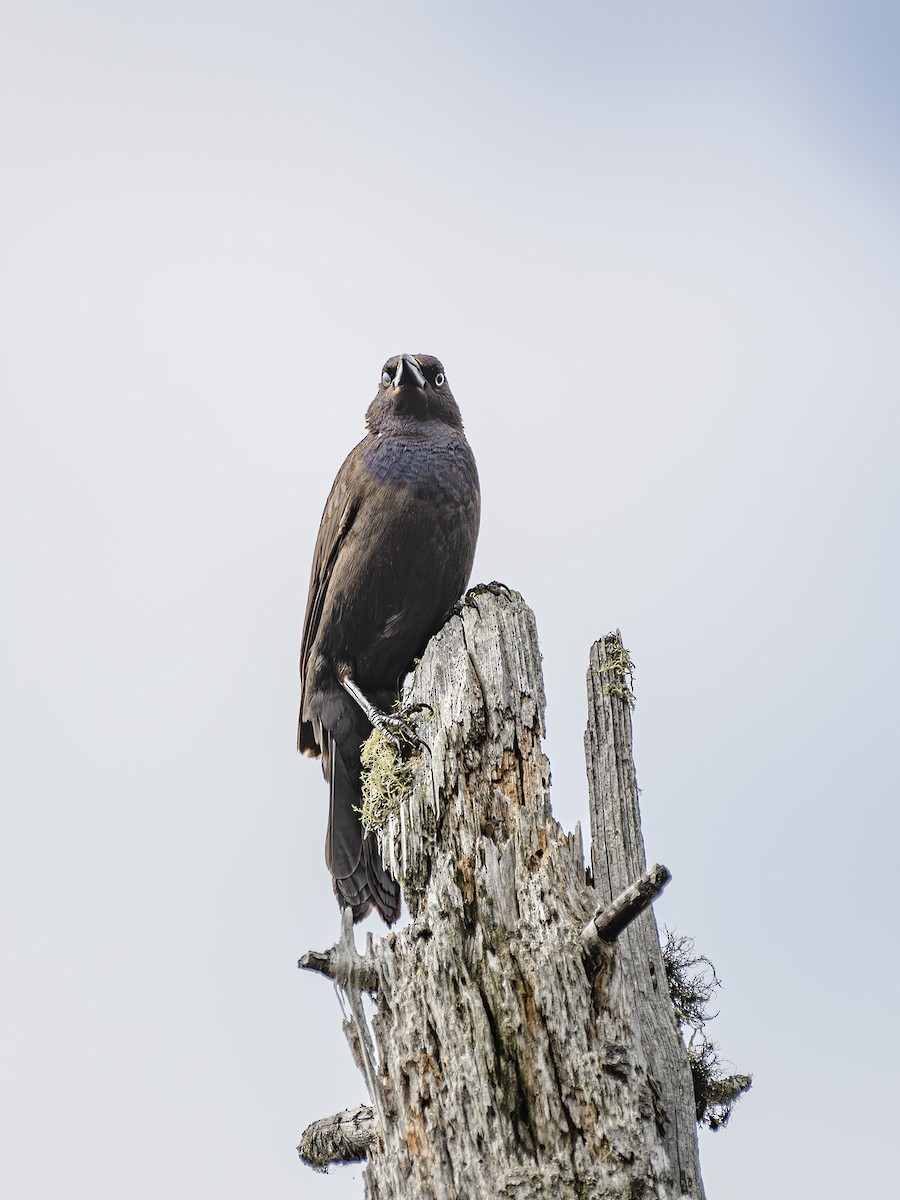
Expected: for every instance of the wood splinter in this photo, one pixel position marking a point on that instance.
(607, 923)
(343, 1138)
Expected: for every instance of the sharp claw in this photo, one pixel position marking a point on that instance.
(495, 588)
(397, 729)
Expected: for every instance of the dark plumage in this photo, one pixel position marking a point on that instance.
(394, 552)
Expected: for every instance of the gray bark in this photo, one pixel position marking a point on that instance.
(504, 1058)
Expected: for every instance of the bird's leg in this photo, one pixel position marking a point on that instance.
(468, 600)
(393, 725)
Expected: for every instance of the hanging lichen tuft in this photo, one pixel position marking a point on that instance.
(692, 983)
(386, 780)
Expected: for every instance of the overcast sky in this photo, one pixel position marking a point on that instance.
(657, 247)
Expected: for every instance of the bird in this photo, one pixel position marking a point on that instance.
(393, 555)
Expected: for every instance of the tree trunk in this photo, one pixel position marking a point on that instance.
(515, 1051)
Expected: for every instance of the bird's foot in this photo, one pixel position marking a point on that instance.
(396, 727)
(494, 588)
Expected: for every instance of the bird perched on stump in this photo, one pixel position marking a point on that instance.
(393, 555)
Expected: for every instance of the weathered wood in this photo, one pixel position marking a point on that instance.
(617, 857)
(342, 964)
(609, 920)
(343, 1138)
(505, 1063)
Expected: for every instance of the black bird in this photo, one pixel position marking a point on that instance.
(393, 555)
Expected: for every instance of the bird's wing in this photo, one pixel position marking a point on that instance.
(341, 508)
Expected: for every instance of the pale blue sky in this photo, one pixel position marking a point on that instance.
(657, 250)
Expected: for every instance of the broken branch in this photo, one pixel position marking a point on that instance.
(343, 1138)
(607, 923)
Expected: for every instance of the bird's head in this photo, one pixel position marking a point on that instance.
(413, 386)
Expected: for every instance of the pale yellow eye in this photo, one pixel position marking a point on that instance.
(386, 377)
(439, 380)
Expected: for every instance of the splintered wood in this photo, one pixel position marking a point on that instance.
(509, 1060)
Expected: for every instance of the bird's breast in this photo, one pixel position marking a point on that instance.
(424, 467)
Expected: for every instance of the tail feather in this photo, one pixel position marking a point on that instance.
(358, 873)
(383, 889)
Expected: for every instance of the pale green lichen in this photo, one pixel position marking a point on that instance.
(386, 780)
(619, 670)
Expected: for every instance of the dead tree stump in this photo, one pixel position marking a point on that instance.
(523, 1043)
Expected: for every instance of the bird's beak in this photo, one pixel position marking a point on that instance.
(408, 371)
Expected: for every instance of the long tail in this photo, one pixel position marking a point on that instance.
(359, 876)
